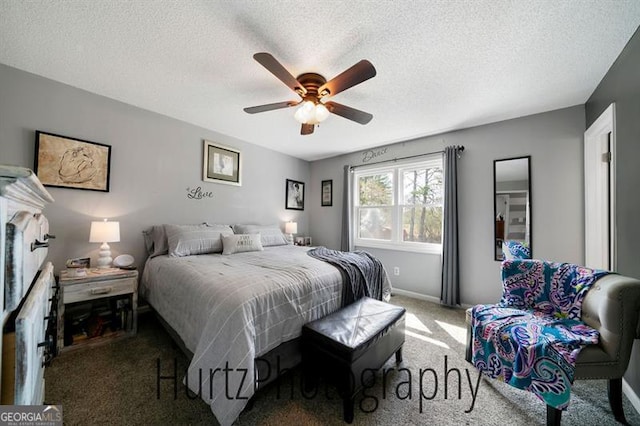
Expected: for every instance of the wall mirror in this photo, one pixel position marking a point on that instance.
(512, 208)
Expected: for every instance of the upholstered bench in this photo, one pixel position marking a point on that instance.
(346, 345)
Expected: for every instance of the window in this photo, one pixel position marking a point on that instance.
(400, 206)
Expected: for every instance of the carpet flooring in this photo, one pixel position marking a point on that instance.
(117, 384)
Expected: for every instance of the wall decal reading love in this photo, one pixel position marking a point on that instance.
(198, 194)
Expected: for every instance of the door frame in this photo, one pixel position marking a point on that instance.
(597, 192)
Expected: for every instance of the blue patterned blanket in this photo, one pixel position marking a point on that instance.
(531, 339)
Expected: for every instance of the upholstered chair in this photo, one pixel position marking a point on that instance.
(612, 307)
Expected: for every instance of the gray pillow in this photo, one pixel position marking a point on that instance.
(155, 240)
(270, 235)
(239, 243)
(187, 240)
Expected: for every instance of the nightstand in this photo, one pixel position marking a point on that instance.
(97, 307)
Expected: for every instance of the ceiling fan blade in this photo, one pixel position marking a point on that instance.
(270, 107)
(276, 68)
(348, 112)
(306, 129)
(358, 73)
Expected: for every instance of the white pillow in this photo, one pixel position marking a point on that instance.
(239, 243)
(187, 240)
(270, 235)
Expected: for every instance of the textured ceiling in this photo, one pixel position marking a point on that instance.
(442, 65)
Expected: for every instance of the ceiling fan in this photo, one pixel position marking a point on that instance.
(313, 89)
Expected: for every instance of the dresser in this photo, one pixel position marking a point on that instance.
(29, 291)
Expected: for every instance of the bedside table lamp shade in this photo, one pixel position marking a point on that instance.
(290, 228)
(104, 232)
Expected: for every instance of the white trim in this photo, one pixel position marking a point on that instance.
(594, 221)
(633, 397)
(414, 295)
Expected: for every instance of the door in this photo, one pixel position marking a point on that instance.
(599, 183)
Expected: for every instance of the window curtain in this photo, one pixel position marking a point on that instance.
(346, 243)
(450, 292)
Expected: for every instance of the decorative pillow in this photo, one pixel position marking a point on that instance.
(239, 243)
(270, 235)
(187, 240)
(515, 250)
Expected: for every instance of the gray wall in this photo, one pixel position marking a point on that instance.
(621, 85)
(154, 160)
(554, 141)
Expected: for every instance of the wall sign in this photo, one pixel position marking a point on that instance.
(372, 154)
(198, 194)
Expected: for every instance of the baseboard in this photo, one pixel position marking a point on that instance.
(421, 296)
(415, 295)
(633, 397)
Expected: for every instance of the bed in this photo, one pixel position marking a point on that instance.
(231, 309)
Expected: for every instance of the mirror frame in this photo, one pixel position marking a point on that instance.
(495, 213)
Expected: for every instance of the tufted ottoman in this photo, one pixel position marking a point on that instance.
(350, 342)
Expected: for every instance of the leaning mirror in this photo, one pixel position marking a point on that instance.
(512, 208)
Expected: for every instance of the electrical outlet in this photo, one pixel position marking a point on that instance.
(396, 271)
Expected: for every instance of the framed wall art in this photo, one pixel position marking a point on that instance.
(295, 195)
(327, 193)
(66, 162)
(221, 164)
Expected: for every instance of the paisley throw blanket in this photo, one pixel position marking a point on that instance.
(531, 339)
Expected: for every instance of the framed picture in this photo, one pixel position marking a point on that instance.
(66, 162)
(327, 193)
(295, 195)
(221, 164)
(81, 262)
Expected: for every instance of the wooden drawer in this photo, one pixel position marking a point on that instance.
(95, 290)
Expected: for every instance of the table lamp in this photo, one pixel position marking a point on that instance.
(104, 232)
(290, 228)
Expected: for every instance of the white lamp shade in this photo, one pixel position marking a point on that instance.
(104, 232)
(291, 228)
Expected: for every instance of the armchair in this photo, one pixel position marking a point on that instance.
(607, 304)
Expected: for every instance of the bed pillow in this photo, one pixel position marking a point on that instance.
(155, 240)
(187, 240)
(239, 243)
(270, 235)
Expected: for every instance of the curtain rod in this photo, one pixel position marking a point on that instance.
(460, 147)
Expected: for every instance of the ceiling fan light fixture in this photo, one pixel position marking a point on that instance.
(311, 113)
(305, 112)
(313, 88)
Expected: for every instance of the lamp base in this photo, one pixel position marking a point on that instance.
(104, 256)
(289, 239)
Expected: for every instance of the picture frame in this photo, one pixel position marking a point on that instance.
(326, 194)
(294, 199)
(66, 162)
(221, 164)
(79, 262)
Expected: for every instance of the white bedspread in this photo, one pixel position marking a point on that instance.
(231, 309)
